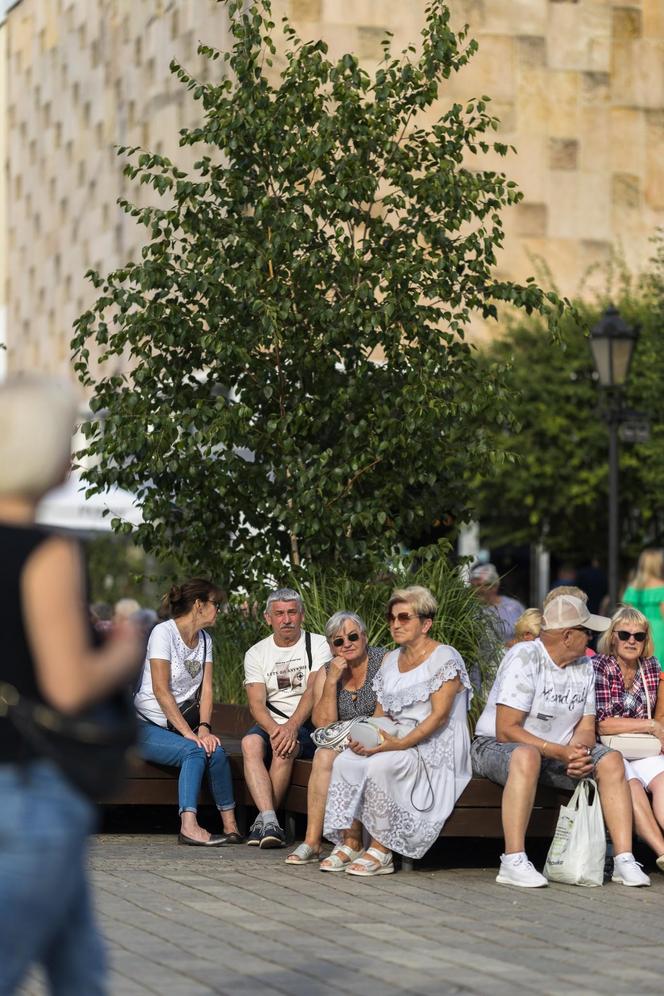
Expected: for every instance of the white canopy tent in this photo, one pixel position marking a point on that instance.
(66, 507)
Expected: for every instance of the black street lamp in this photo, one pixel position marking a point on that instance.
(612, 342)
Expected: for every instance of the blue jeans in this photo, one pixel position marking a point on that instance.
(45, 913)
(156, 743)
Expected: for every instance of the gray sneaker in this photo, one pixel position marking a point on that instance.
(272, 836)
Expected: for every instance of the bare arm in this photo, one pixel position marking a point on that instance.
(509, 730)
(326, 686)
(205, 708)
(71, 673)
(257, 699)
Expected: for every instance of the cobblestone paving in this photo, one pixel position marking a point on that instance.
(237, 921)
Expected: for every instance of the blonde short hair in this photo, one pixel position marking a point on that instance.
(36, 424)
(421, 600)
(625, 614)
(529, 621)
(565, 589)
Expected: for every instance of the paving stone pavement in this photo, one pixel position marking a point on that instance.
(239, 922)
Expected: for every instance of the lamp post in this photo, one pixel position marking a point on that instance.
(612, 342)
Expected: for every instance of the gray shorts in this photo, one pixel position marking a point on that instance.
(491, 759)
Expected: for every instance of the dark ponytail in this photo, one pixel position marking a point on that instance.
(180, 598)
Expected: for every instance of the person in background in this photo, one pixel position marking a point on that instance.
(101, 615)
(145, 620)
(503, 610)
(46, 915)
(565, 575)
(125, 608)
(646, 593)
(279, 675)
(343, 689)
(174, 706)
(527, 626)
(625, 673)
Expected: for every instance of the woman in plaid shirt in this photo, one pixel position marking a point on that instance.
(620, 696)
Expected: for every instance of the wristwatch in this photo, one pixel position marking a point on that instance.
(207, 725)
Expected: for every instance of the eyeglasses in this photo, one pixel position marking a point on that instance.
(401, 617)
(340, 640)
(217, 605)
(584, 629)
(623, 635)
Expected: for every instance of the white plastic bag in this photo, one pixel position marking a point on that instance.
(578, 848)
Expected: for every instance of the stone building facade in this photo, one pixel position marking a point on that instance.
(578, 85)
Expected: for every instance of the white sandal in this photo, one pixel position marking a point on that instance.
(303, 855)
(366, 867)
(337, 863)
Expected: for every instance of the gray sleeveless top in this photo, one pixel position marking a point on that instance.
(350, 706)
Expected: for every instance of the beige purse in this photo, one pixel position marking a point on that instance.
(635, 746)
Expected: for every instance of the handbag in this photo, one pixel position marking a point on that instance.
(578, 848)
(635, 746)
(91, 749)
(367, 730)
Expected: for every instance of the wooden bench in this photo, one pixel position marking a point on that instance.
(476, 814)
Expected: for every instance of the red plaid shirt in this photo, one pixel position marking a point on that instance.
(610, 688)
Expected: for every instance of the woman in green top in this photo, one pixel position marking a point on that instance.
(646, 593)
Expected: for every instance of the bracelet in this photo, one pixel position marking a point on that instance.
(206, 725)
(544, 746)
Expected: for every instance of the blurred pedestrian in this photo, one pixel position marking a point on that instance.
(125, 608)
(646, 593)
(45, 911)
(504, 611)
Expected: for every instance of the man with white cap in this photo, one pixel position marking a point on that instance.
(538, 726)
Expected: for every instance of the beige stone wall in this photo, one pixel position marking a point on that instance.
(579, 87)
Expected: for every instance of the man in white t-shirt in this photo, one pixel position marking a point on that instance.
(538, 726)
(279, 675)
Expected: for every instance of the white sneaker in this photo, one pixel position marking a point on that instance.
(521, 872)
(627, 871)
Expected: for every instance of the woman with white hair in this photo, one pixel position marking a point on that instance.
(402, 791)
(343, 690)
(48, 659)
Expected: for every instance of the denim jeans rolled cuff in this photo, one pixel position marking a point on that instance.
(491, 759)
(162, 746)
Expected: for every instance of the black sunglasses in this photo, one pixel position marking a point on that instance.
(623, 635)
(584, 629)
(340, 640)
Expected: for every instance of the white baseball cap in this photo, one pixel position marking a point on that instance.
(567, 611)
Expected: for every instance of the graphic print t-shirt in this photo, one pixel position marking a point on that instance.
(555, 698)
(284, 670)
(166, 644)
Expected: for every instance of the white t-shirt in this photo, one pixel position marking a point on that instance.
(555, 698)
(166, 644)
(284, 670)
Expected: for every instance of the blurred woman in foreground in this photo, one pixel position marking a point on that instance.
(45, 912)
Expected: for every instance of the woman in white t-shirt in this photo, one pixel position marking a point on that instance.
(174, 706)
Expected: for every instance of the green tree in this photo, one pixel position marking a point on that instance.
(555, 488)
(299, 385)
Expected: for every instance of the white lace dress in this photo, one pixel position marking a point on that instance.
(403, 797)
